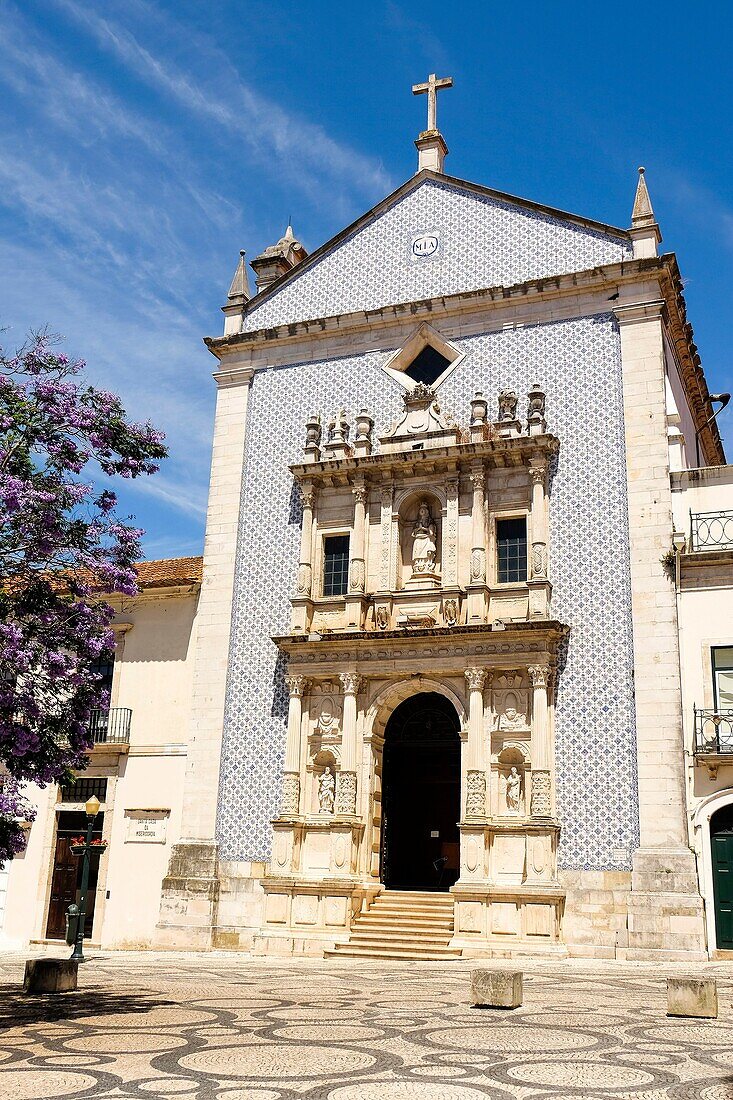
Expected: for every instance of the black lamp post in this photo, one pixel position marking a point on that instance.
(92, 809)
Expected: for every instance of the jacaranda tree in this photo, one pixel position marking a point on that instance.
(63, 550)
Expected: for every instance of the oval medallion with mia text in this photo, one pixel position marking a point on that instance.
(425, 245)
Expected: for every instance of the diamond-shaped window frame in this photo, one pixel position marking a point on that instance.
(423, 336)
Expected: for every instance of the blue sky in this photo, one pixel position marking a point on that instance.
(142, 145)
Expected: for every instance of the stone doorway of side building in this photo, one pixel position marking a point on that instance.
(721, 845)
(66, 873)
(421, 795)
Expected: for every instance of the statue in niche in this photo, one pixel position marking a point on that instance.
(326, 791)
(513, 790)
(424, 540)
(512, 718)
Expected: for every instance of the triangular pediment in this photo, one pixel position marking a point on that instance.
(435, 236)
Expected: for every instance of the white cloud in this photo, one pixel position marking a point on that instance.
(302, 149)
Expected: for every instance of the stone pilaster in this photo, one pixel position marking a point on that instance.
(475, 763)
(477, 591)
(539, 585)
(665, 907)
(355, 600)
(346, 793)
(191, 886)
(302, 602)
(297, 686)
(541, 800)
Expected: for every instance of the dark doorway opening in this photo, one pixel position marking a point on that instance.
(421, 791)
(721, 843)
(66, 877)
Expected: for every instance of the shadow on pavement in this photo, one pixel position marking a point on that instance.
(17, 1007)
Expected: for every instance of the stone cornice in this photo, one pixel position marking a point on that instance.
(499, 452)
(513, 642)
(688, 358)
(547, 287)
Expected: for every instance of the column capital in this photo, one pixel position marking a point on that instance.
(351, 682)
(476, 678)
(478, 476)
(360, 492)
(537, 469)
(539, 675)
(297, 685)
(308, 494)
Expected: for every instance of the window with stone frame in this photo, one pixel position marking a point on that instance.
(723, 677)
(335, 565)
(511, 550)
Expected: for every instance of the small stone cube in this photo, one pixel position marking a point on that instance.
(50, 975)
(697, 997)
(496, 988)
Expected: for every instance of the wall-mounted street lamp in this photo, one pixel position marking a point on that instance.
(85, 850)
(721, 399)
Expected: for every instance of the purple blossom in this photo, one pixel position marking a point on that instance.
(62, 547)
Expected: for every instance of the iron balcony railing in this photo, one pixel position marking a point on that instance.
(712, 530)
(111, 727)
(714, 732)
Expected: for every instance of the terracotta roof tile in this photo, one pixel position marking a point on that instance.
(166, 572)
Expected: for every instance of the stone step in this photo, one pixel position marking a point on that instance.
(375, 943)
(416, 898)
(347, 950)
(413, 911)
(411, 924)
(360, 934)
(410, 907)
(412, 919)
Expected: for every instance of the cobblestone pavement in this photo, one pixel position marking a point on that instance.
(226, 1027)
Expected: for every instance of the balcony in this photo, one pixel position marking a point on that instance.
(711, 531)
(111, 727)
(713, 738)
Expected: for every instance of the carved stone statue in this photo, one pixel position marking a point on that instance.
(507, 405)
(424, 540)
(513, 790)
(326, 791)
(512, 718)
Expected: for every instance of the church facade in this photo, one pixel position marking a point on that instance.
(437, 649)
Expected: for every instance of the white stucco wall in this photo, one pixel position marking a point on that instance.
(153, 677)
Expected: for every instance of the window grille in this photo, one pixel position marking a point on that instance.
(511, 544)
(82, 789)
(336, 565)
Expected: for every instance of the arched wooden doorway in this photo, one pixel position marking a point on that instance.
(721, 845)
(421, 790)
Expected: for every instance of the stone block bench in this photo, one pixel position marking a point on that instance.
(496, 988)
(50, 975)
(696, 997)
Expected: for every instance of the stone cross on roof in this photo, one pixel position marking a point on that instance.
(432, 87)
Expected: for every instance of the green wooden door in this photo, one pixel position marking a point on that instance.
(722, 845)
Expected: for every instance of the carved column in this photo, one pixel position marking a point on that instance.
(297, 686)
(539, 586)
(305, 569)
(477, 599)
(541, 803)
(357, 572)
(450, 570)
(346, 796)
(478, 548)
(475, 773)
(385, 537)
